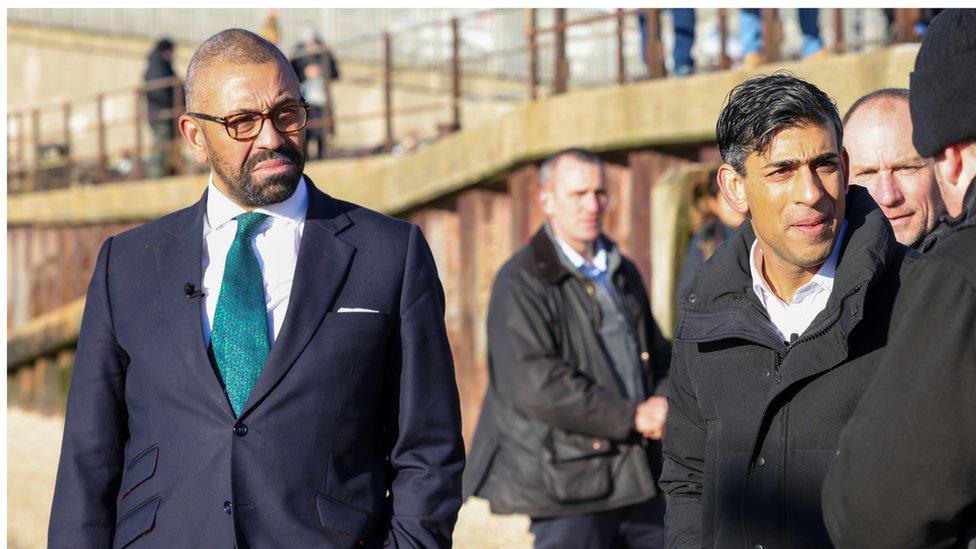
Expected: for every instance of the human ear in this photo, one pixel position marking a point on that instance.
(193, 135)
(543, 199)
(846, 159)
(733, 188)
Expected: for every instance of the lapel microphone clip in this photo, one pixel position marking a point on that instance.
(190, 291)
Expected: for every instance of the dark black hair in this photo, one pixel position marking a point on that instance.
(164, 44)
(757, 109)
(576, 153)
(883, 93)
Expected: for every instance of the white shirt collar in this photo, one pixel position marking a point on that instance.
(221, 209)
(599, 258)
(823, 281)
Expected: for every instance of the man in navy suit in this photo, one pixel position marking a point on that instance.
(268, 367)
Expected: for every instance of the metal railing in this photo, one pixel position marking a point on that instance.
(461, 76)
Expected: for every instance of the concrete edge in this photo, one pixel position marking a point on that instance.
(44, 335)
(653, 113)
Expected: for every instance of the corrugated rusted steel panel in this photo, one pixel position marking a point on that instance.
(646, 167)
(485, 243)
(527, 217)
(618, 219)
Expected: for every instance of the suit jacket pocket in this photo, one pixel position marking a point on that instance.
(374, 322)
(139, 470)
(136, 523)
(576, 467)
(343, 518)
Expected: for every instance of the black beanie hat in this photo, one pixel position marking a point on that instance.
(942, 96)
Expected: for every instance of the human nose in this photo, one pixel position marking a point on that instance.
(591, 203)
(809, 189)
(269, 137)
(886, 191)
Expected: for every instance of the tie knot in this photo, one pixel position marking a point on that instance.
(249, 222)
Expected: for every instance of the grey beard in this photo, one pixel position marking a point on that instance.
(247, 192)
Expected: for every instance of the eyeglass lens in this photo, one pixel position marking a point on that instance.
(287, 119)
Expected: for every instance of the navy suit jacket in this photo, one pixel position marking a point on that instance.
(350, 437)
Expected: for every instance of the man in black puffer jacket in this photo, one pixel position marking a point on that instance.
(906, 472)
(781, 331)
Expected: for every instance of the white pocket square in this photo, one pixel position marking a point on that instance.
(355, 310)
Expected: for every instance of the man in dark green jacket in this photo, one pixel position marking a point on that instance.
(905, 475)
(781, 331)
(570, 428)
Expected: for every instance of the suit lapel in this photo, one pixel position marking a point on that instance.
(178, 263)
(323, 261)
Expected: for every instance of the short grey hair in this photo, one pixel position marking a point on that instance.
(576, 153)
(233, 45)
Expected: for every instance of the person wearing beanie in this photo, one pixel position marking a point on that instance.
(905, 473)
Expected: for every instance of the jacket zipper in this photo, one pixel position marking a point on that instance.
(819, 332)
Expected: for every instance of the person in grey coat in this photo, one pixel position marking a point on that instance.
(782, 329)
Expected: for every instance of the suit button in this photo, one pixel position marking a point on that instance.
(761, 461)
(597, 445)
(765, 373)
(240, 429)
(645, 356)
(227, 507)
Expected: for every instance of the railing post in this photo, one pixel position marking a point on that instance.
(138, 164)
(36, 145)
(653, 51)
(838, 30)
(21, 150)
(561, 68)
(532, 26)
(770, 34)
(621, 64)
(388, 89)
(327, 120)
(724, 61)
(11, 159)
(10, 152)
(102, 138)
(69, 164)
(455, 74)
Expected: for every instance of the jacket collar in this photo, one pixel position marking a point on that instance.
(949, 225)
(548, 265)
(724, 283)
(221, 209)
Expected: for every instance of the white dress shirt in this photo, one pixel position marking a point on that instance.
(275, 243)
(808, 301)
(598, 264)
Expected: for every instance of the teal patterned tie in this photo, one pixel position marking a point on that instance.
(239, 338)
